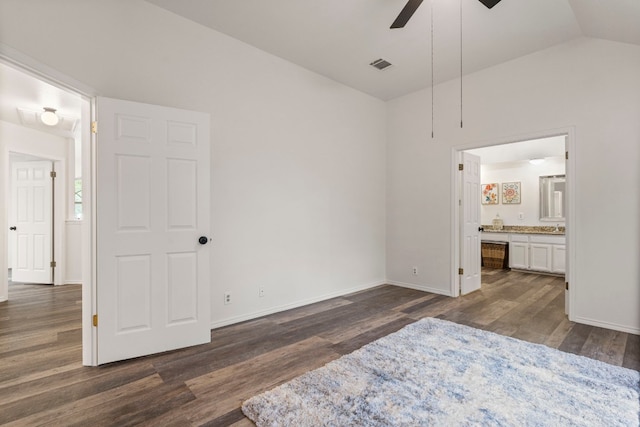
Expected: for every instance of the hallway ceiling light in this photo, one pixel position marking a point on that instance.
(49, 117)
(536, 161)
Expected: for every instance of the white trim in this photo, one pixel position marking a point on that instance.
(89, 241)
(607, 325)
(456, 182)
(417, 287)
(570, 236)
(35, 68)
(570, 173)
(242, 318)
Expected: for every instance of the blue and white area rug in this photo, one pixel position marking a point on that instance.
(437, 373)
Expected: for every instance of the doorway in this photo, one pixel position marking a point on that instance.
(27, 138)
(550, 151)
(30, 203)
(26, 94)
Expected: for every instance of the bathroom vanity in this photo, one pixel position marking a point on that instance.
(541, 249)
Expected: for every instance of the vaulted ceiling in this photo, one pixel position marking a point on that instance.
(340, 38)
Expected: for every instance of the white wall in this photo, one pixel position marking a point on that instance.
(73, 252)
(588, 85)
(529, 177)
(298, 160)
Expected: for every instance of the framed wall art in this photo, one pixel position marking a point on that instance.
(490, 194)
(511, 193)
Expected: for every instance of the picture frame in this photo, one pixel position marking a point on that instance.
(489, 194)
(511, 194)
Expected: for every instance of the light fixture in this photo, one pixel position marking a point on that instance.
(536, 161)
(49, 117)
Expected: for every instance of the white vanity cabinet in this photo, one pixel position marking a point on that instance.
(519, 251)
(537, 252)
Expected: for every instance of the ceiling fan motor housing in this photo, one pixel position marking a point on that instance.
(412, 5)
(489, 3)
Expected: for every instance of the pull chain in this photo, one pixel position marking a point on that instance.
(432, 69)
(460, 64)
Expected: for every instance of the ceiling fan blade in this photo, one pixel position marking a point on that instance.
(489, 3)
(406, 13)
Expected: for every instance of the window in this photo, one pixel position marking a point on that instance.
(77, 198)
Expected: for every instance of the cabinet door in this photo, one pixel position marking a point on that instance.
(519, 255)
(558, 256)
(540, 257)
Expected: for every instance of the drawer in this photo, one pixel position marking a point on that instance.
(524, 238)
(544, 238)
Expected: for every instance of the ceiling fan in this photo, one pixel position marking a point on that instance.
(409, 9)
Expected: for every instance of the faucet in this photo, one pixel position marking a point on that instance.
(557, 228)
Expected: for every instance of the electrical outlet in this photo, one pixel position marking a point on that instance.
(260, 291)
(520, 215)
(415, 271)
(227, 298)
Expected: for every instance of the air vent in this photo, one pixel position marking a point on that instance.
(381, 64)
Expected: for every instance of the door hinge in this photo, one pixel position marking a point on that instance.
(95, 320)
(566, 155)
(52, 264)
(566, 285)
(94, 127)
(460, 167)
(53, 174)
(461, 271)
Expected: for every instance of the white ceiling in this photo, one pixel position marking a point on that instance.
(542, 148)
(339, 38)
(21, 91)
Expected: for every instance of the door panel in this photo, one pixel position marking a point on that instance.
(540, 257)
(558, 257)
(32, 205)
(153, 204)
(519, 255)
(471, 257)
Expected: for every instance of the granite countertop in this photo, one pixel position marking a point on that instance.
(526, 229)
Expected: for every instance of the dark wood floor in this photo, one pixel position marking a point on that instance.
(42, 381)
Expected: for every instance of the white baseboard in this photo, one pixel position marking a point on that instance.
(607, 325)
(249, 316)
(417, 287)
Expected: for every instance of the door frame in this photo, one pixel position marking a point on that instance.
(456, 200)
(30, 66)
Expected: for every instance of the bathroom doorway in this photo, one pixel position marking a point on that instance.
(509, 165)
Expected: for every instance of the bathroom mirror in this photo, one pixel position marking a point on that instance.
(552, 198)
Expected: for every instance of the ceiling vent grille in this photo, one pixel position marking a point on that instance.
(381, 64)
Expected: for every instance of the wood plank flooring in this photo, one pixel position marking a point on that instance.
(43, 382)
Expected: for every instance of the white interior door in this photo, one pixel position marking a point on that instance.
(32, 225)
(470, 214)
(152, 208)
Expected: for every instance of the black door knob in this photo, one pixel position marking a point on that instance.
(203, 240)
(480, 228)
(13, 228)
